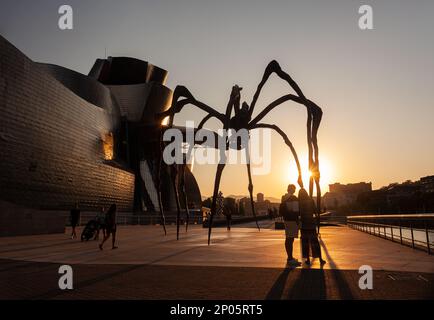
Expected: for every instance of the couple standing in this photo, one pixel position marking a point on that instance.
(299, 214)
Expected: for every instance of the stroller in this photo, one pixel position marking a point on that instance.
(92, 228)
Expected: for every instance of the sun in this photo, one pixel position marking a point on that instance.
(325, 169)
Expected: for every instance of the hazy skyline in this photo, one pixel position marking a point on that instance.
(375, 86)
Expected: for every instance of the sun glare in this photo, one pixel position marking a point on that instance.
(325, 169)
(165, 121)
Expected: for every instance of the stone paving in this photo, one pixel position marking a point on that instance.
(243, 263)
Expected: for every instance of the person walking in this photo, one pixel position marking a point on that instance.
(74, 219)
(288, 209)
(110, 226)
(100, 221)
(309, 236)
(228, 220)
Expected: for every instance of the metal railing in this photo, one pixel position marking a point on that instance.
(324, 219)
(141, 219)
(414, 230)
(333, 219)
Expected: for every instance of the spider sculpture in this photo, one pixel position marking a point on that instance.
(177, 176)
(242, 119)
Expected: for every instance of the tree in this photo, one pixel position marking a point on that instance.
(207, 203)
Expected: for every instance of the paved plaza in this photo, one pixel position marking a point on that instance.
(243, 263)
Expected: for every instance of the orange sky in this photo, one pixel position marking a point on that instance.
(375, 86)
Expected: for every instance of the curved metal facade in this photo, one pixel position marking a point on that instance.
(67, 137)
(51, 141)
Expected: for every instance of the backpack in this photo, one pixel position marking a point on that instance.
(286, 212)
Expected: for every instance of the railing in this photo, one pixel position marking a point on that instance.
(221, 221)
(325, 219)
(414, 230)
(333, 219)
(142, 219)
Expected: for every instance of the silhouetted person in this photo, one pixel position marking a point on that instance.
(289, 211)
(110, 226)
(100, 219)
(75, 219)
(228, 220)
(309, 236)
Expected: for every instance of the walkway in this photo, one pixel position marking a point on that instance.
(240, 264)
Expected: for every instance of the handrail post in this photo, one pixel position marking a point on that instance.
(391, 232)
(427, 238)
(400, 230)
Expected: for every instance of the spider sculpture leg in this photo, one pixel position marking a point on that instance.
(181, 97)
(313, 119)
(174, 176)
(177, 104)
(311, 181)
(184, 194)
(316, 116)
(312, 116)
(274, 67)
(318, 197)
(250, 187)
(218, 176)
(158, 185)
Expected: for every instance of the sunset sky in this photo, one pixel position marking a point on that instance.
(376, 87)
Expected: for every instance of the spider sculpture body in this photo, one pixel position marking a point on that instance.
(239, 117)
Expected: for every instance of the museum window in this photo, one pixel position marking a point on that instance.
(108, 143)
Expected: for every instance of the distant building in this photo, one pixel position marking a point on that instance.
(427, 184)
(405, 189)
(407, 197)
(344, 194)
(245, 204)
(261, 205)
(350, 188)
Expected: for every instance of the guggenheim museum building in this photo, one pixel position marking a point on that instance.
(66, 137)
